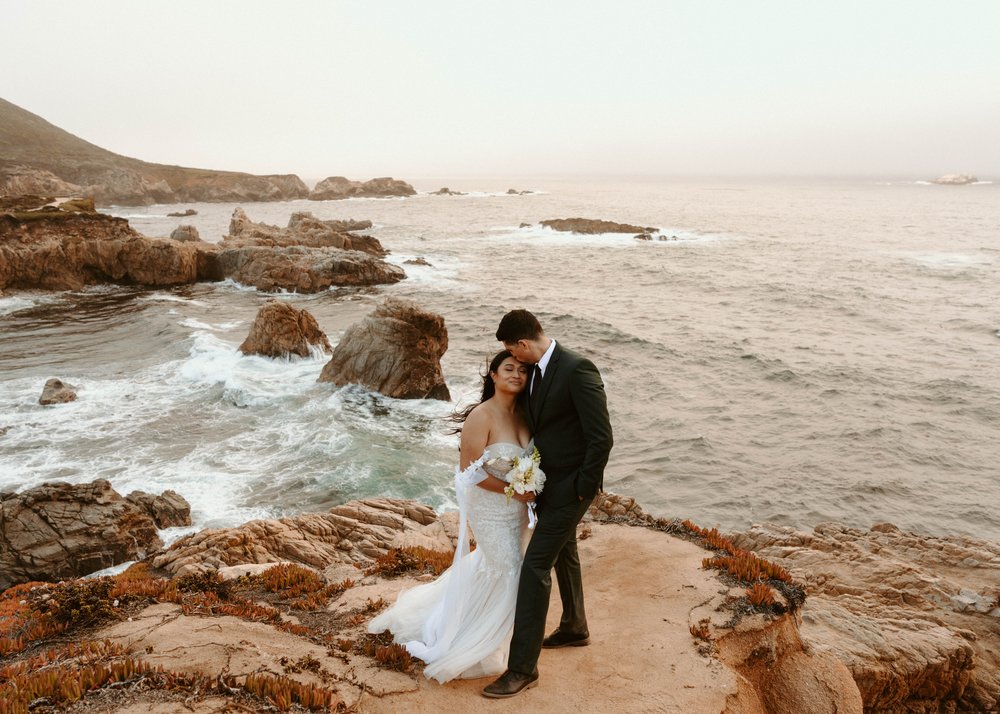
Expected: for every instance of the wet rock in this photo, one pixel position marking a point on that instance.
(644, 236)
(417, 261)
(305, 270)
(185, 233)
(908, 614)
(338, 187)
(61, 530)
(68, 248)
(525, 225)
(280, 330)
(183, 214)
(168, 510)
(446, 192)
(56, 391)
(303, 230)
(593, 226)
(357, 532)
(515, 192)
(396, 351)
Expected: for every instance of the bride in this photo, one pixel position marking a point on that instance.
(460, 624)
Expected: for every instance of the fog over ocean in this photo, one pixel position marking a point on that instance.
(792, 351)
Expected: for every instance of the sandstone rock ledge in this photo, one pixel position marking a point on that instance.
(645, 592)
(70, 246)
(915, 618)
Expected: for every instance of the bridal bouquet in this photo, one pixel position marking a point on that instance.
(526, 475)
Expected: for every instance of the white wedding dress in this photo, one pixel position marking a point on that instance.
(460, 625)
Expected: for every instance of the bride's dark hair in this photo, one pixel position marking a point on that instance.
(489, 389)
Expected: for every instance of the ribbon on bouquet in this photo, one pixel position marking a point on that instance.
(532, 517)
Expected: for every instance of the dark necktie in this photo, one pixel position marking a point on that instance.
(534, 396)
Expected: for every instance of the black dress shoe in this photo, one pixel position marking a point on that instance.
(510, 684)
(565, 639)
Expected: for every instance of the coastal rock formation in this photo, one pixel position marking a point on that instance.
(67, 248)
(357, 532)
(70, 246)
(37, 157)
(305, 270)
(168, 510)
(184, 213)
(303, 230)
(338, 187)
(955, 180)
(446, 192)
(61, 530)
(185, 234)
(758, 665)
(56, 391)
(592, 226)
(280, 330)
(396, 351)
(515, 192)
(915, 618)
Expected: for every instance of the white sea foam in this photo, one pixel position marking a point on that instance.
(949, 261)
(538, 233)
(168, 297)
(16, 303)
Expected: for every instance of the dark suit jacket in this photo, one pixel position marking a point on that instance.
(571, 428)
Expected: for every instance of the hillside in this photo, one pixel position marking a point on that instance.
(39, 157)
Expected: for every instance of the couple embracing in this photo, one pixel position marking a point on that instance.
(486, 613)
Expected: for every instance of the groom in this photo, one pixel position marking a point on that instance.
(568, 415)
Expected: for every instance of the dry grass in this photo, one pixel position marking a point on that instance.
(411, 559)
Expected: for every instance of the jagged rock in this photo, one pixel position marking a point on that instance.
(185, 233)
(446, 192)
(524, 225)
(53, 248)
(955, 180)
(899, 609)
(644, 236)
(303, 230)
(183, 214)
(357, 532)
(346, 225)
(515, 192)
(60, 530)
(56, 391)
(338, 187)
(396, 351)
(417, 261)
(280, 330)
(168, 510)
(305, 270)
(592, 226)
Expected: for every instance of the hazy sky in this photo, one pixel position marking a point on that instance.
(470, 88)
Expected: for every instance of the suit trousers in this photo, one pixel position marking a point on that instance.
(553, 544)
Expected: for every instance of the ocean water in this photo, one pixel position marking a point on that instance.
(791, 351)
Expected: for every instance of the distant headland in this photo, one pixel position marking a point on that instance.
(39, 158)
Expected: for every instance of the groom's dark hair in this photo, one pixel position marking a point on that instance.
(518, 325)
